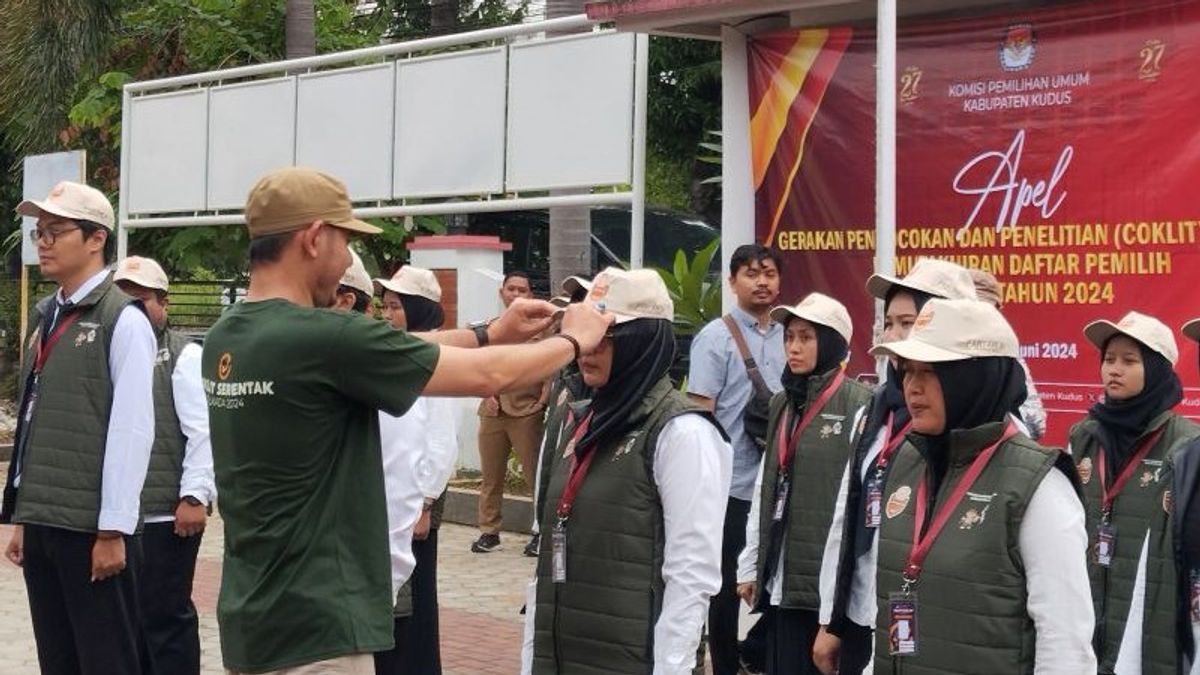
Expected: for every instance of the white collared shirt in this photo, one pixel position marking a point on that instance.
(419, 451)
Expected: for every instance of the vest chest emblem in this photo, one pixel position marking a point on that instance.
(1151, 473)
(163, 356)
(1085, 470)
(898, 501)
(975, 514)
(85, 337)
(832, 426)
(625, 447)
(1167, 502)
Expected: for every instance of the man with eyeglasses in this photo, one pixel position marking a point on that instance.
(84, 432)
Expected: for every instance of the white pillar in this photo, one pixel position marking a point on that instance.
(885, 149)
(637, 228)
(737, 176)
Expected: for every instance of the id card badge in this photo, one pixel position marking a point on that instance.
(1194, 596)
(1106, 543)
(558, 555)
(902, 624)
(781, 496)
(874, 503)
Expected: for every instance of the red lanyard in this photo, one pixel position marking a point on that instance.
(43, 350)
(787, 446)
(1108, 496)
(578, 471)
(922, 541)
(890, 443)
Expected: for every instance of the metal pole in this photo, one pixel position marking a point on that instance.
(637, 226)
(24, 309)
(123, 194)
(564, 24)
(885, 149)
(482, 206)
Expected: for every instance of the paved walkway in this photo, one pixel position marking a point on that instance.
(480, 596)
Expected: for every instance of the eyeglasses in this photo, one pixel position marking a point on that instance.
(49, 235)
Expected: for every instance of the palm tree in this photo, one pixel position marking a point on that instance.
(301, 29)
(570, 226)
(45, 47)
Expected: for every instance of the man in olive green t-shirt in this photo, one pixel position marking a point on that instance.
(293, 391)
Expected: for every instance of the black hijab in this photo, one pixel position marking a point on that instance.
(421, 314)
(1123, 421)
(831, 350)
(975, 392)
(643, 350)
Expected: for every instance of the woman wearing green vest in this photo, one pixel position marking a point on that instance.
(808, 444)
(1185, 526)
(1124, 452)
(982, 546)
(631, 528)
(848, 576)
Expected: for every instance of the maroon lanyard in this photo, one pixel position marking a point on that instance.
(1109, 495)
(43, 350)
(922, 541)
(578, 471)
(891, 443)
(787, 445)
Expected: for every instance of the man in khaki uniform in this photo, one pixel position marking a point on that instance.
(513, 421)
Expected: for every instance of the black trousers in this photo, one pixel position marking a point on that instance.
(169, 618)
(723, 608)
(855, 656)
(82, 627)
(418, 643)
(790, 640)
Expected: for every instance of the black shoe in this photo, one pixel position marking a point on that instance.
(486, 543)
(531, 549)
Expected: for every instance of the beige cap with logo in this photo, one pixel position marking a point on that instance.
(1141, 327)
(291, 199)
(409, 280)
(144, 272)
(72, 200)
(356, 276)
(1191, 330)
(987, 287)
(632, 294)
(938, 278)
(954, 330)
(818, 308)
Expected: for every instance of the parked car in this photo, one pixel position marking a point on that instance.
(529, 232)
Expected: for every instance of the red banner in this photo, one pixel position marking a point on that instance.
(1058, 149)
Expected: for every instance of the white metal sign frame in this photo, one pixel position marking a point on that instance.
(211, 211)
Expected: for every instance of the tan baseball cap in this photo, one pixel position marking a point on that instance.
(954, 330)
(1191, 330)
(818, 308)
(409, 280)
(356, 276)
(987, 287)
(632, 294)
(142, 271)
(1141, 327)
(291, 199)
(72, 200)
(573, 284)
(938, 278)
